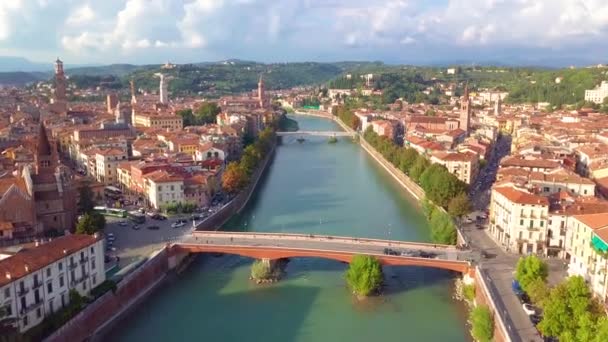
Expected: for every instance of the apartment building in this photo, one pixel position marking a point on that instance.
(36, 281)
(106, 162)
(163, 188)
(598, 94)
(158, 120)
(518, 219)
(464, 165)
(589, 248)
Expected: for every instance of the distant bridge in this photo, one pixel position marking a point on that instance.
(274, 246)
(317, 133)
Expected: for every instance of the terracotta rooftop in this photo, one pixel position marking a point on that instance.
(39, 257)
(594, 221)
(522, 197)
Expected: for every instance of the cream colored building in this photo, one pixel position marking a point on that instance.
(518, 219)
(106, 162)
(154, 120)
(589, 247)
(464, 165)
(598, 94)
(36, 281)
(163, 188)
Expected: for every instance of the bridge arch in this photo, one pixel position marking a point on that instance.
(274, 253)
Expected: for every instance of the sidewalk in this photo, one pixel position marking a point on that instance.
(500, 267)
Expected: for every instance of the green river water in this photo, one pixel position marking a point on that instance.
(311, 187)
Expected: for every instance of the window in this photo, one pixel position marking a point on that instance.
(25, 321)
(521, 222)
(172, 188)
(38, 313)
(49, 287)
(94, 279)
(23, 302)
(48, 272)
(84, 285)
(36, 296)
(93, 263)
(546, 189)
(92, 250)
(542, 223)
(51, 308)
(61, 282)
(8, 309)
(7, 293)
(21, 286)
(160, 188)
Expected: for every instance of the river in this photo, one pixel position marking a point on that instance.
(311, 187)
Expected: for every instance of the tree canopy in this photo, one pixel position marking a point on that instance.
(90, 223)
(571, 314)
(364, 275)
(530, 268)
(85, 202)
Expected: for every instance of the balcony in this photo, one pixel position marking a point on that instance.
(31, 307)
(22, 291)
(83, 260)
(36, 285)
(77, 281)
(72, 265)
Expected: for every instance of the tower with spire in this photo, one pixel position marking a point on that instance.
(261, 90)
(60, 82)
(497, 106)
(465, 110)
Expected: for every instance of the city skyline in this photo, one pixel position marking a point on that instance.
(393, 31)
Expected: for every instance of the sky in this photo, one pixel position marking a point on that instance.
(393, 31)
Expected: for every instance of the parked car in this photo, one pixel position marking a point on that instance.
(535, 319)
(153, 227)
(158, 217)
(389, 251)
(529, 309)
(177, 224)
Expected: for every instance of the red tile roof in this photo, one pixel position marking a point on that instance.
(39, 257)
(522, 197)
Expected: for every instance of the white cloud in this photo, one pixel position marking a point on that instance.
(80, 16)
(241, 28)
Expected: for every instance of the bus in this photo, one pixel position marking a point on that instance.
(111, 211)
(137, 217)
(112, 192)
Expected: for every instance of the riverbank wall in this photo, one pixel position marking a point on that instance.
(97, 318)
(483, 296)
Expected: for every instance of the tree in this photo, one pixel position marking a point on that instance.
(442, 228)
(460, 205)
(418, 168)
(207, 112)
(538, 291)
(187, 117)
(601, 333)
(569, 311)
(482, 323)
(90, 223)
(234, 178)
(364, 275)
(85, 202)
(407, 160)
(528, 269)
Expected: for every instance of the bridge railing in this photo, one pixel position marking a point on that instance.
(326, 238)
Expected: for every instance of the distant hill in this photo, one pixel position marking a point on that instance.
(21, 78)
(14, 64)
(112, 69)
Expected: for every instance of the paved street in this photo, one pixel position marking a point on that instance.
(132, 244)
